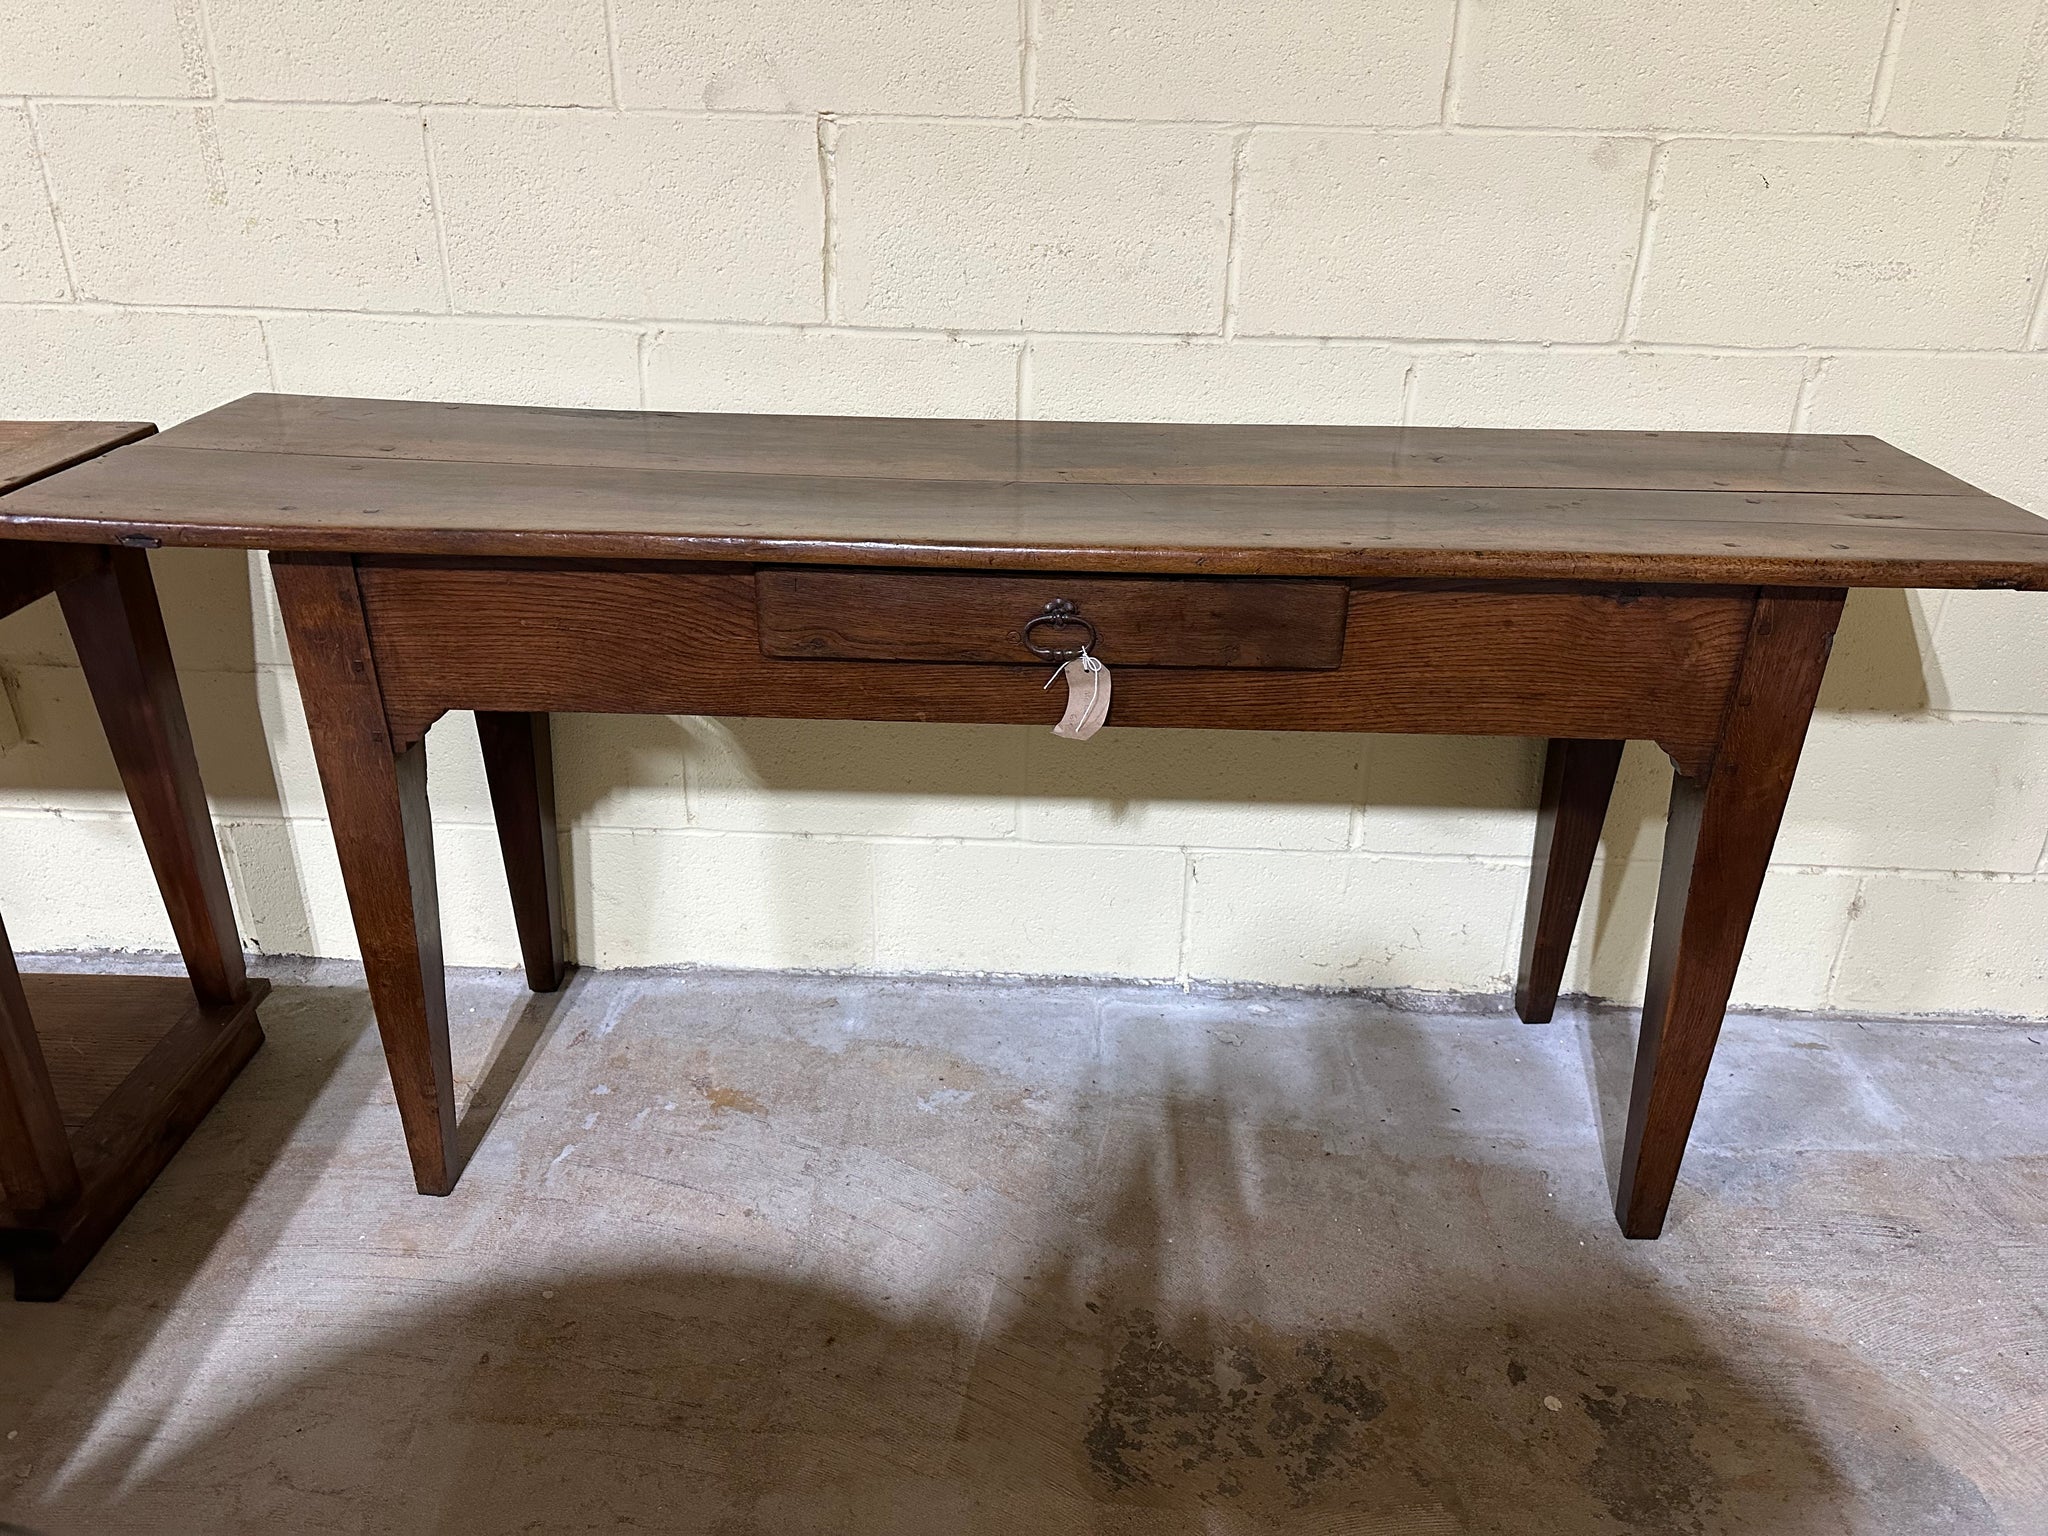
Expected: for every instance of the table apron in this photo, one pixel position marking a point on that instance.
(1486, 658)
(31, 571)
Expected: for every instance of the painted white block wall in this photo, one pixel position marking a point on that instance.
(1831, 216)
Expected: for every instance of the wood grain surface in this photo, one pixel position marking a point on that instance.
(1112, 453)
(37, 1170)
(377, 802)
(955, 616)
(136, 1124)
(30, 450)
(310, 474)
(1717, 848)
(118, 630)
(519, 765)
(1578, 782)
(29, 571)
(1500, 659)
(103, 1077)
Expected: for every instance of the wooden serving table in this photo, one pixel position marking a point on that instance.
(103, 1077)
(1589, 587)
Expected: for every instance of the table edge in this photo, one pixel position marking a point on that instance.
(1392, 562)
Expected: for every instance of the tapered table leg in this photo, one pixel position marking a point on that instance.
(1716, 850)
(118, 631)
(377, 804)
(519, 763)
(1578, 781)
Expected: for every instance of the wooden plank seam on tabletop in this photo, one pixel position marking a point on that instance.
(308, 473)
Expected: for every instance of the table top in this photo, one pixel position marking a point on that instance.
(293, 472)
(30, 450)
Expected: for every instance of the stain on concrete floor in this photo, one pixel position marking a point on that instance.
(751, 1254)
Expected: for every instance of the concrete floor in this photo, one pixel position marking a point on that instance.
(748, 1253)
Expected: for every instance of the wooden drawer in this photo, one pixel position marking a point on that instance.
(1135, 621)
(1494, 658)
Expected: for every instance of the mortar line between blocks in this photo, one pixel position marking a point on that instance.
(1027, 57)
(1361, 787)
(1887, 63)
(1421, 346)
(1510, 961)
(434, 204)
(1973, 716)
(1802, 402)
(1842, 944)
(1233, 237)
(1431, 129)
(1187, 917)
(2036, 334)
(873, 942)
(269, 364)
(35, 140)
(209, 52)
(611, 51)
(482, 823)
(828, 192)
(2037, 328)
(1454, 58)
(1646, 234)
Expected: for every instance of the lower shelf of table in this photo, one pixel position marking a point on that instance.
(136, 1062)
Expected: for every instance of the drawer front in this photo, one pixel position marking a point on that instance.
(1489, 658)
(1134, 621)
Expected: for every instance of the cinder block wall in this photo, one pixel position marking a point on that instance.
(1829, 215)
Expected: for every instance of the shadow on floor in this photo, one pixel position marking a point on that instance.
(506, 1061)
(668, 1399)
(231, 1194)
(1228, 1319)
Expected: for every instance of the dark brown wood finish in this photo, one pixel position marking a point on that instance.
(37, 1169)
(29, 450)
(1716, 849)
(928, 616)
(280, 472)
(519, 763)
(1589, 587)
(1116, 453)
(134, 1130)
(103, 1077)
(1578, 781)
(1505, 658)
(118, 632)
(377, 802)
(31, 572)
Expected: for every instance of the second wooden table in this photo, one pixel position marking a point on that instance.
(102, 1077)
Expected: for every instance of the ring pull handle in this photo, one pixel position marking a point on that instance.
(1060, 613)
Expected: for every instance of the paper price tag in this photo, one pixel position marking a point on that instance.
(1087, 697)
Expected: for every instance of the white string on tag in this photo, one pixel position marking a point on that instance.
(1086, 710)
